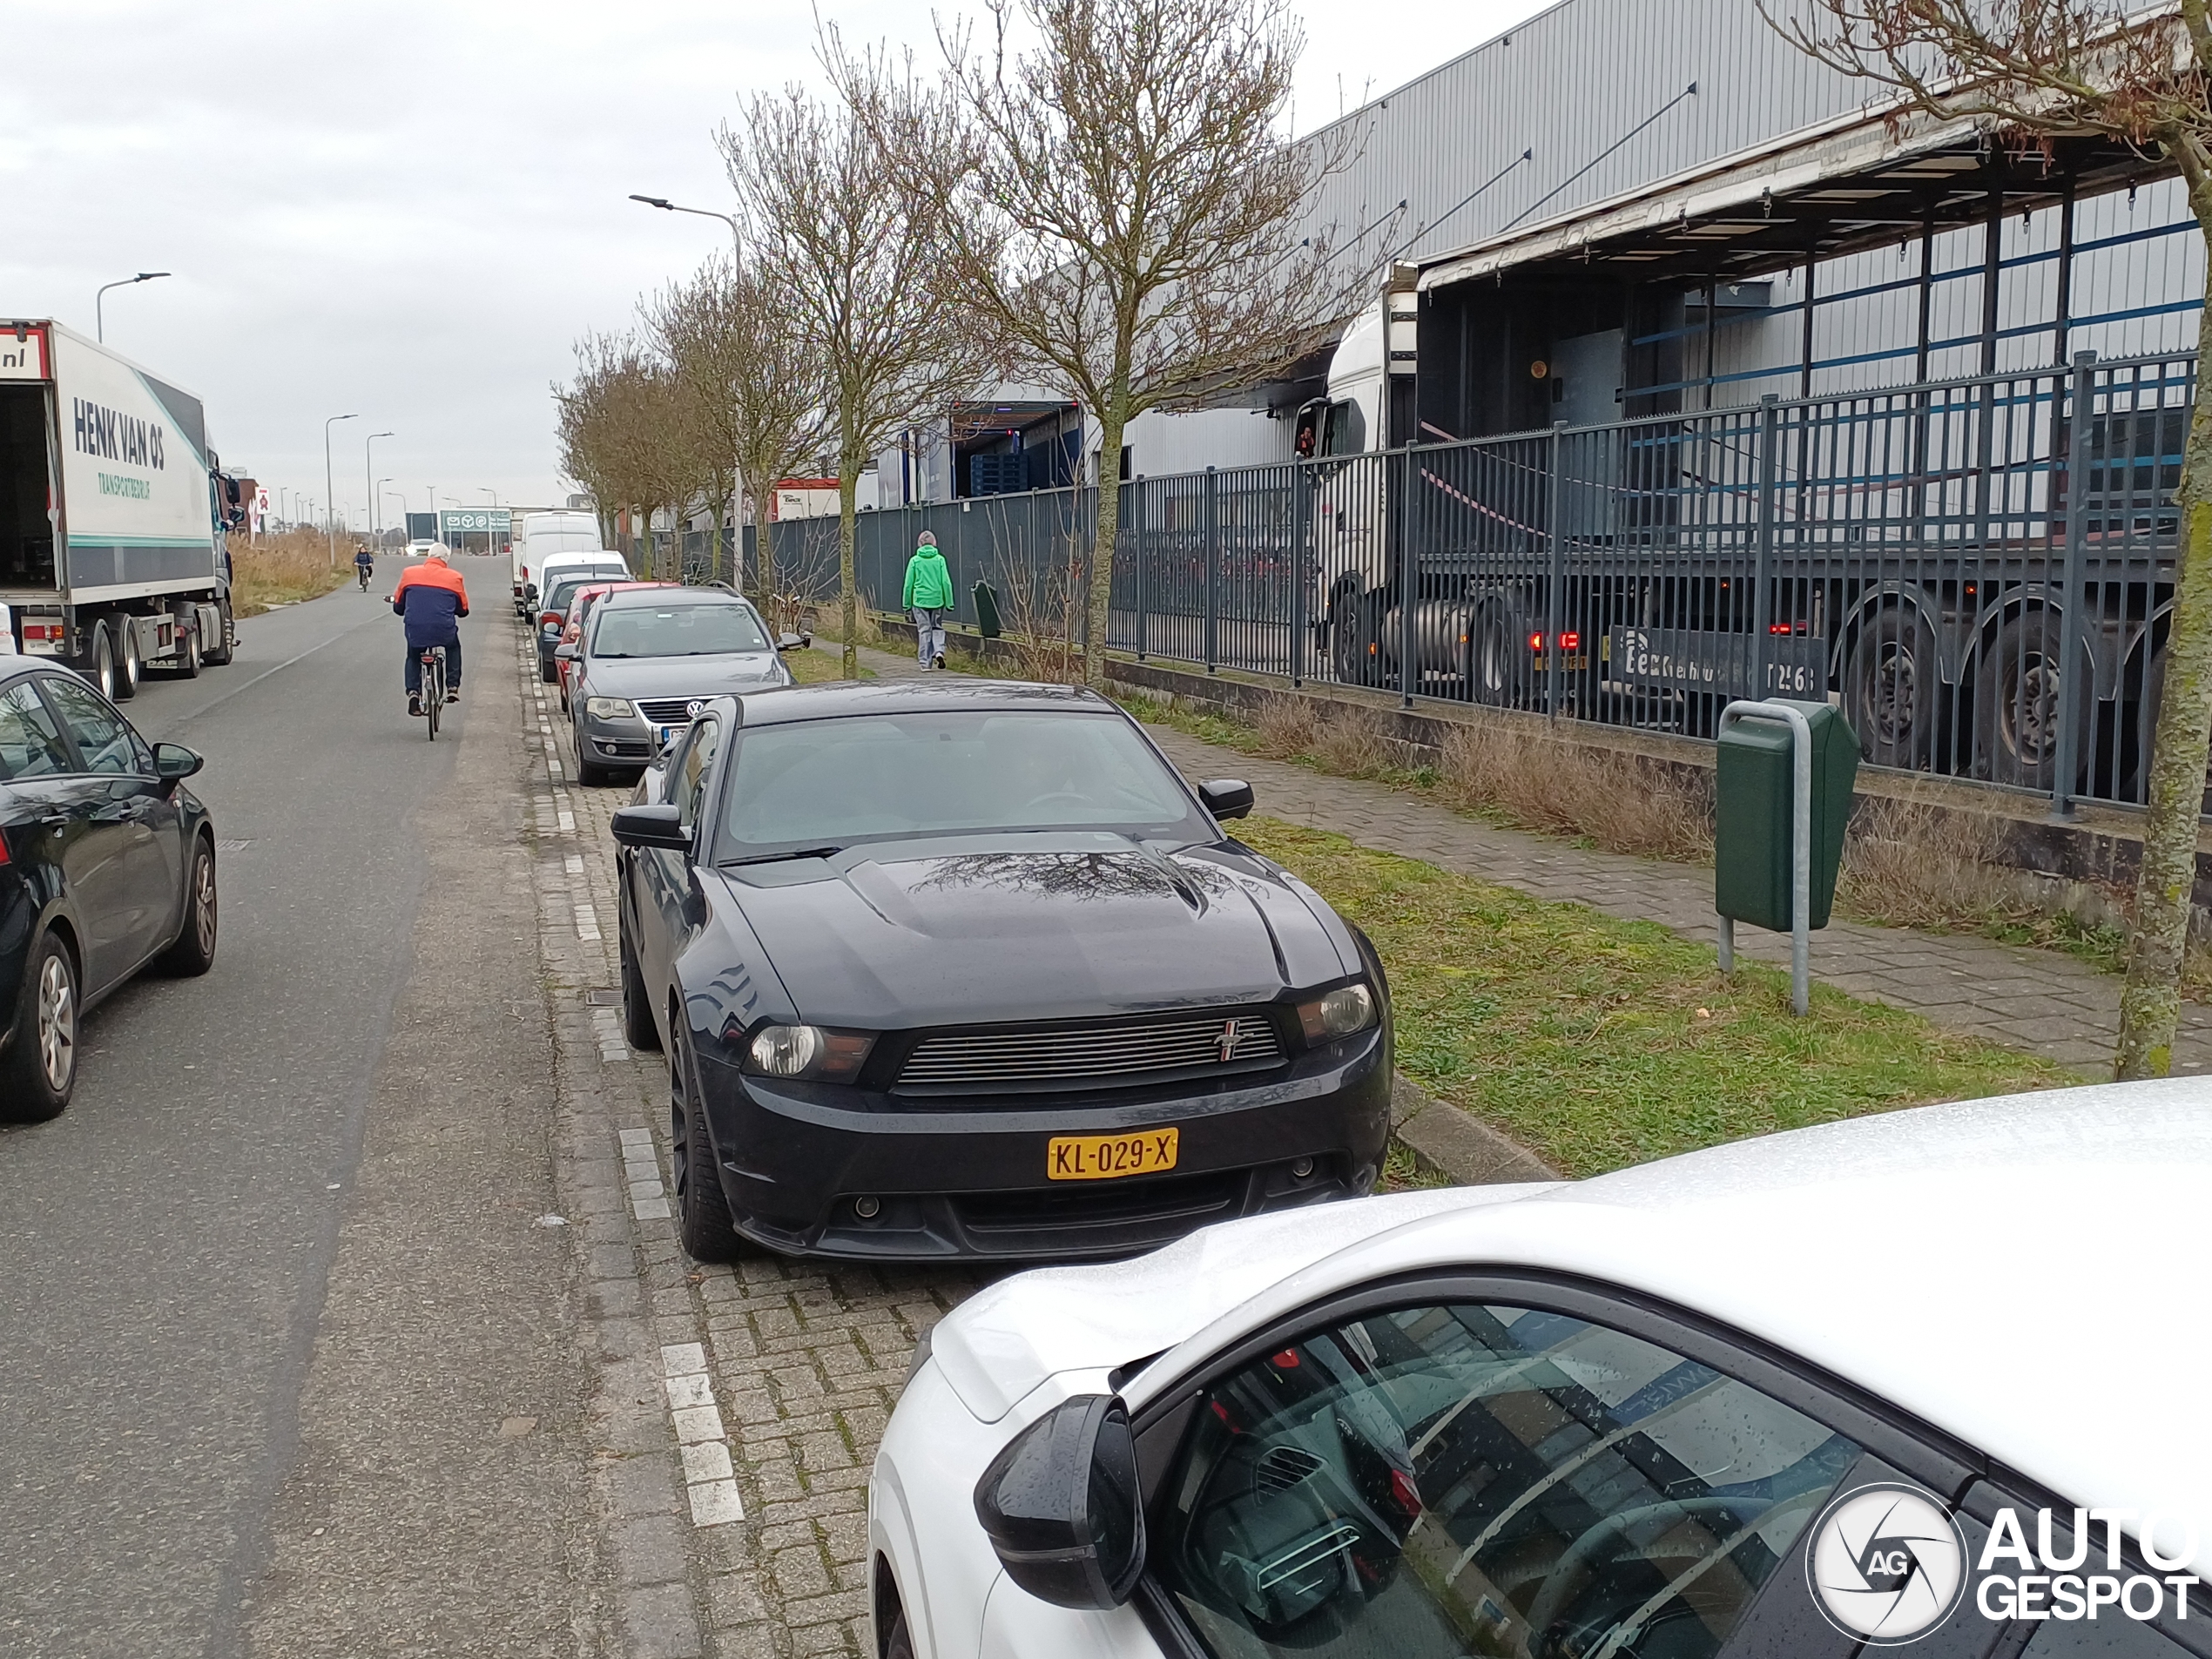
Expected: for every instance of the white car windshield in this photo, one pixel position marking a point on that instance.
(831, 783)
(677, 630)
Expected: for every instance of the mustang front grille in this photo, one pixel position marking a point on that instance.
(1079, 1056)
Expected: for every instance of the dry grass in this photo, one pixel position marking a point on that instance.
(1623, 803)
(285, 570)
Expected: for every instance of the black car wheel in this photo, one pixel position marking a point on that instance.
(194, 950)
(637, 1028)
(899, 1643)
(40, 1069)
(702, 1210)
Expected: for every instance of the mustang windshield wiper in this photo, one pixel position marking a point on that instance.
(795, 852)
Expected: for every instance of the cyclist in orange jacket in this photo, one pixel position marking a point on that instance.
(433, 599)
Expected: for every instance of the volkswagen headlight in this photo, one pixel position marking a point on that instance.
(808, 1051)
(1338, 1013)
(609, 708)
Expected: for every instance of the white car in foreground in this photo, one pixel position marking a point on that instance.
(1939, 1380)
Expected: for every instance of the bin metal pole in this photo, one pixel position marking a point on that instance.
(1762, 570)
(2076, 610)
(1800, 845)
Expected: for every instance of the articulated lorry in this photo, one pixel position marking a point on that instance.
(114, 513)
(1940, 559)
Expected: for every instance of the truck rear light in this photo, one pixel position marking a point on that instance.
(1536, 642)
(42, 630)
(1570, 641)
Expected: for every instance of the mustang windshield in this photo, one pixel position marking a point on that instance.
(675, 630)
(830, 783)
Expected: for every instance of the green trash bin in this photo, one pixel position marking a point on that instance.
(1754, 790)
(987, 610)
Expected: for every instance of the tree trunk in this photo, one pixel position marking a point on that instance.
(2150, 1007)
(848, 599)
(1099, 610)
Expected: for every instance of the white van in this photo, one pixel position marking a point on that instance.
(544, 534)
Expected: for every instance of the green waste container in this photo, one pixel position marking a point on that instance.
(1754, 791)
(987, 610)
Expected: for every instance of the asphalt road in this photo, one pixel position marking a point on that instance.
(284, 1365)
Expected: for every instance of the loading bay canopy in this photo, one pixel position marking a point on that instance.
(1864, 180)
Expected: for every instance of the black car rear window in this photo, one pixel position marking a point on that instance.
(675, 630)
(832, 783)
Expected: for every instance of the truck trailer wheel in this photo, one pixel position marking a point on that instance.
(129, 667)
(99, 662)
(1891, 688)
(2017, 702)
(225, 645)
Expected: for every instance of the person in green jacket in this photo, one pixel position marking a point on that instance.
(929, 600)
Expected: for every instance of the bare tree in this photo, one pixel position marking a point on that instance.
(735, 332)
(1124, 206)
(858, 246)
(607, 424)
(2044, 67)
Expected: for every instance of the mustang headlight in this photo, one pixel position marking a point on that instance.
(1338, 1013)
(609, 708)
(809, 1051)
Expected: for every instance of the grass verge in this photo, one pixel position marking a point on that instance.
(817, 668)
(1904, 865)
(1598, 1042)
(285, 570)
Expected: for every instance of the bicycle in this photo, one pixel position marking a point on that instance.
(433, 686)
(364, 573)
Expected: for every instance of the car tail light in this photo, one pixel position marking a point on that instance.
(4, 851)
(548, 619)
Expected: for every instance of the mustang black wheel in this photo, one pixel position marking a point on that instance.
(637, 1028)
(702, 1210)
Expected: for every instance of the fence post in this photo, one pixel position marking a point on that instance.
(1762, 568)
(1141, 542)
(2070, 660)
(1298, 575)
(1555, 588)
(1400, 506)
(1213, 575)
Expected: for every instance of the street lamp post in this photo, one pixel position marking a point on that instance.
(99, 299)
(401, 494)
(369, 467)
(376, 494)
(737, 237)
(327, 484)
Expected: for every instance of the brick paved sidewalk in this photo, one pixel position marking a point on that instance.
(2039, 1001)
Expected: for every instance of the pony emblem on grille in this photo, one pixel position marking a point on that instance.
(1232, 1032)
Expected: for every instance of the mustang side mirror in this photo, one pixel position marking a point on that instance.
(792, 642)
(173, 763)
(1061, 1507)
(653, 826)
(1226, 796)
(566, 651)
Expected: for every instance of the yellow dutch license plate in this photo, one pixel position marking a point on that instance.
(1101, 1158)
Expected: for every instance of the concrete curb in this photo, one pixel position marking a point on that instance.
(1449, 1142)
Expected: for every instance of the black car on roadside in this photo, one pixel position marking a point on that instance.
(964, 968)
(647, 657)
(107, 863)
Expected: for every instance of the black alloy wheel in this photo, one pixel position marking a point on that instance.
(899, 1643)
(1890, 687)
(39, 1071)
(702, 1222)
(2017, 703)
(195, 952)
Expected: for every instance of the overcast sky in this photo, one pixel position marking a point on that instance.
(411, 209)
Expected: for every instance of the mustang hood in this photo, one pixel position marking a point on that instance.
(1004, 1340)
(1031, 926)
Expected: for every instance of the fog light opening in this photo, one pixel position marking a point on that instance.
(868, 1209)
(1302, 1168)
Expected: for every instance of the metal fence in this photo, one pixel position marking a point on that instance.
(1980, 571)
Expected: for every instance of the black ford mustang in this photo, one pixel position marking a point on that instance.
(964, 968)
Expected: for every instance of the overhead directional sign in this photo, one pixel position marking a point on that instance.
(454, 521)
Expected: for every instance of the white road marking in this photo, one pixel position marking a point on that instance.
(715, 1503)
(695, 1423)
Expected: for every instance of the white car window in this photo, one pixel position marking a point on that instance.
(1439, 1481)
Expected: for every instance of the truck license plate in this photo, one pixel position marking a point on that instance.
(1101, 1158)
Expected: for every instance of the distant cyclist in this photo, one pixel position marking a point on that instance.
(433, 599)
(364, 565)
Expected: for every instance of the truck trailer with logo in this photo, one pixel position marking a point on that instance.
(114, 513)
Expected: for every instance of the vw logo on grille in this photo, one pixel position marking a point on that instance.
(1232, 1032)
(692, 708)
